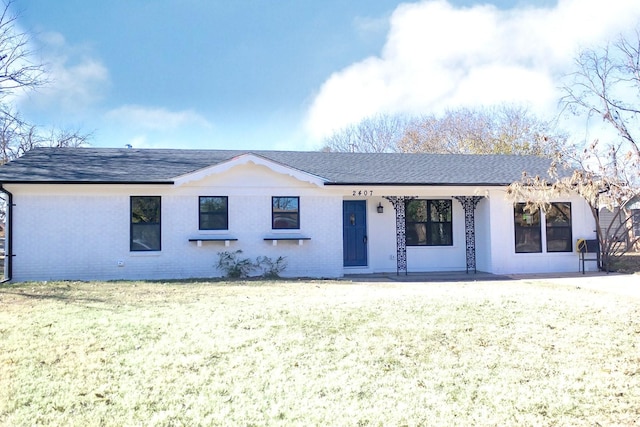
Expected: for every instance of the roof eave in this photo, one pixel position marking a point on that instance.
(103, 182)
(422, 184)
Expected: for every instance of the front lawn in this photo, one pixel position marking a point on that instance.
(317, 353)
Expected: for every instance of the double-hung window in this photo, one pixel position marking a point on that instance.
(285, 213)
(428, 223)
(145, 232)
(213, 213)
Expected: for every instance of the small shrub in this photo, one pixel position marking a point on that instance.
(271, 269)
(233, 266)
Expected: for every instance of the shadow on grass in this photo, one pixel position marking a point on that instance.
(54, 297)
(53, 292)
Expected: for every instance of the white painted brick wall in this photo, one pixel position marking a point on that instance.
(81, 232)
(504, 259)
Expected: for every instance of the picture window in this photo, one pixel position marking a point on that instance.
(429, 223)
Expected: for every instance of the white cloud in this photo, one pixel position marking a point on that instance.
(438, 56)
(76, 79)
(139, 117)
(367, 26)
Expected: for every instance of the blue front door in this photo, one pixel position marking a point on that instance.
(354, 232)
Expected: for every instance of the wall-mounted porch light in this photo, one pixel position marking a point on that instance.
(380, 207)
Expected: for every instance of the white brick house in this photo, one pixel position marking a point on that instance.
(91, 213)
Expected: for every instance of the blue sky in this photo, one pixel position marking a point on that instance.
(260, 74)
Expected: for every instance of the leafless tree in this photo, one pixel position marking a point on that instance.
(377, 134)
(67, 138)
(602, 178)
(17, 137)
(19, 73)
(505, 129)
(502, 129)
(606, 85)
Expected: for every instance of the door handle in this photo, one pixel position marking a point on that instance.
(364, 239)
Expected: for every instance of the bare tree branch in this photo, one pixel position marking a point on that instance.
(603, 178)
(505, 129)
(377, 134)
(606, 84)
(17, 71)
(492, 130)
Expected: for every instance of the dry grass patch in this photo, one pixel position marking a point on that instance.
(627, 263)
(317, 353)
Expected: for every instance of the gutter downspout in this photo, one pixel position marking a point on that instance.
(8, 250)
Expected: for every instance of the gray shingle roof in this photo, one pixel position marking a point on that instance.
(114, 165)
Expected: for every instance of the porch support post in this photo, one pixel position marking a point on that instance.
(398, 203)
(469, 204)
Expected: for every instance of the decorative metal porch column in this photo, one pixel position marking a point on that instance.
(469, 204)
(398, 203)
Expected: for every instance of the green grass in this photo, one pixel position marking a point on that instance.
(317, 353)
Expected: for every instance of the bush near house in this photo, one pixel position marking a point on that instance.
(234, 266)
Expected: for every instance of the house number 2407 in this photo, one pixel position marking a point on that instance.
(362, 192)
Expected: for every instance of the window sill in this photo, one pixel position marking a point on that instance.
(213, 238)
(275, 238)
(145, 253)
(558, 254)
